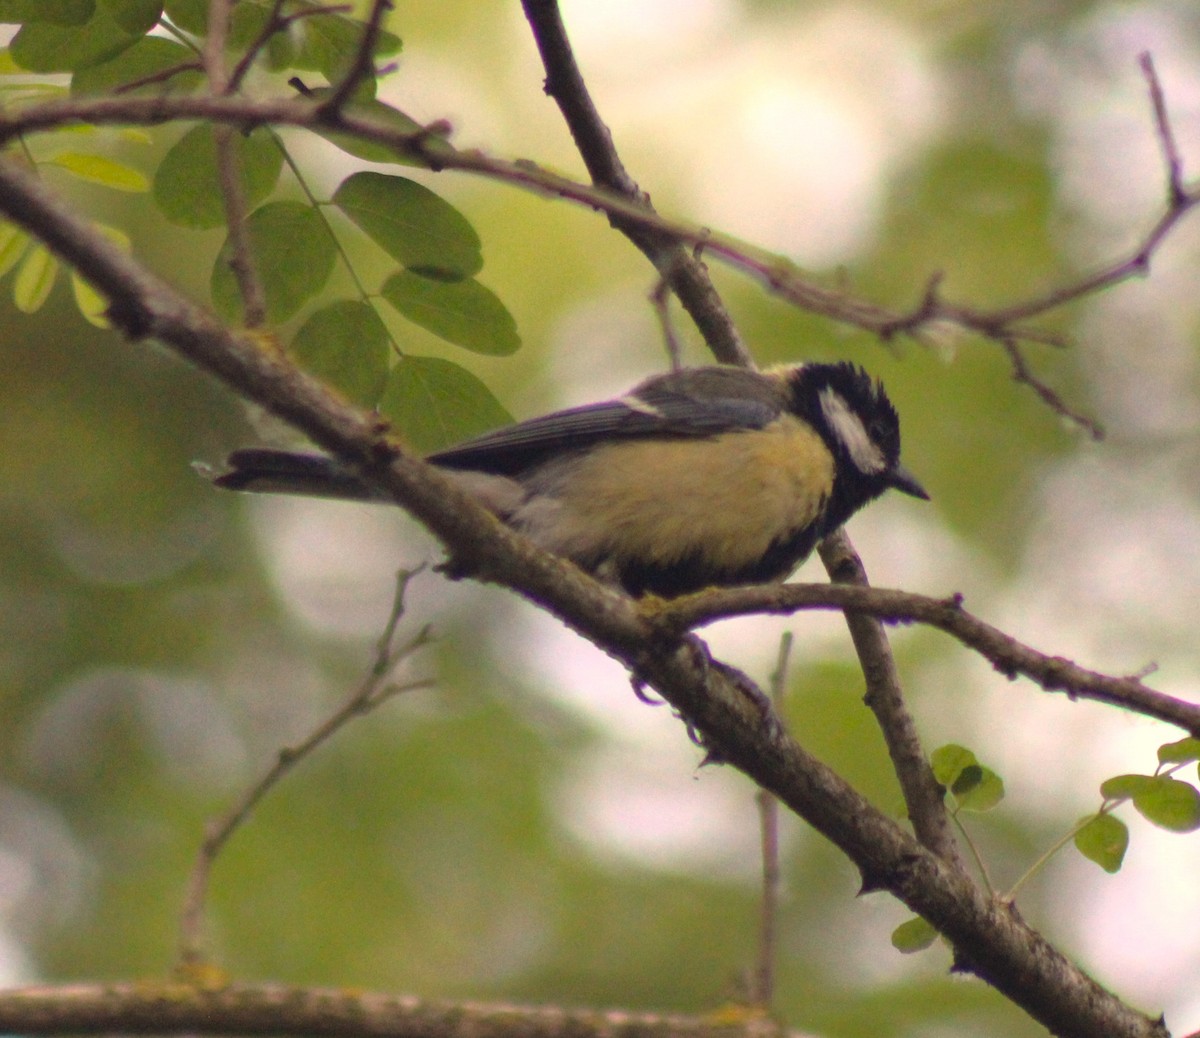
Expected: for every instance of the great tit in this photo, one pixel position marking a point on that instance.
(700, 477)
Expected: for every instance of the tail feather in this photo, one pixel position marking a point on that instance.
(262, 470)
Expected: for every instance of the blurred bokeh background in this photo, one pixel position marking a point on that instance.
(526, 828)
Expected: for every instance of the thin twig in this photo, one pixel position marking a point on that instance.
(371, 693)
(148, 1007)
(686, 274)
(276, 23)
(923, 796)
(431, 149)
(1005, 653)
(363, 64)
(161, 76)
(229, 173)
(660, 299)
(763, 992)
(1166, 135)
(1023, 373)
(241, 250)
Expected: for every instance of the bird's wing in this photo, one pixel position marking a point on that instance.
(666, 406)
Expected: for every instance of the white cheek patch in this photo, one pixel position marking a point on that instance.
(849, 429)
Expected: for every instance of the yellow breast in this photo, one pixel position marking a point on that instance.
(726, 498)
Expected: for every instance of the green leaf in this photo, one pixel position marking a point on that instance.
(148, 57)
(35, 278)
(186, 185)
(949, 762)
(45, 47)
(1104, 840)
(345, 345)
(329, 43)
(1125, 787)
(1182, 752)
(92, 305)
(292, 254)
(136, 17)
(462, 312)
(966, 780)
(1170, 804)
(99, 169)
(13, 243)
(56, 12)
(434, 403)
(412, 224)
(388, 118)
(190, 15)
(246, 21)
(913, 936)
(983, 793)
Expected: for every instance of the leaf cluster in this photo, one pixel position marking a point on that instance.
(292, 247)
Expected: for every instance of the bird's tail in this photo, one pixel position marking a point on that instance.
(262, 470)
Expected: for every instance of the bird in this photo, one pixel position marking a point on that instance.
(700, 477)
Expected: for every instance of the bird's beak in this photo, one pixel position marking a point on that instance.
(906, 483)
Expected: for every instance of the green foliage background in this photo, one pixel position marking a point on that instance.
(153, 657)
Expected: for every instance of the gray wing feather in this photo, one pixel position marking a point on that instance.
(702, 402)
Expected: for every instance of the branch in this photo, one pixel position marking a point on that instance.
(371, 693)
(148, 1008)
(762, 985)
(1008, 655)
(229, 174)
(363, 64)
(685, 273)
(924, 798)
(989, 938)
(777, 274)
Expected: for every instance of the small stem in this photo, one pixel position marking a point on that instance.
(763, 992)
(372, 692)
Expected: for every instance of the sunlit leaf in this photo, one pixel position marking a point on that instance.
(1123, 787)
(91, 303)
(345, 345)
(412, 224)
(949, 761)
(1170, 804)
(462, 312)
(35, 279)
(1104, 840)
(1182, 752)
(434, 403)
(13, 243)
(99, 169)
(984, 792)
(187, 187)
(292, 254)
(913, 936)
